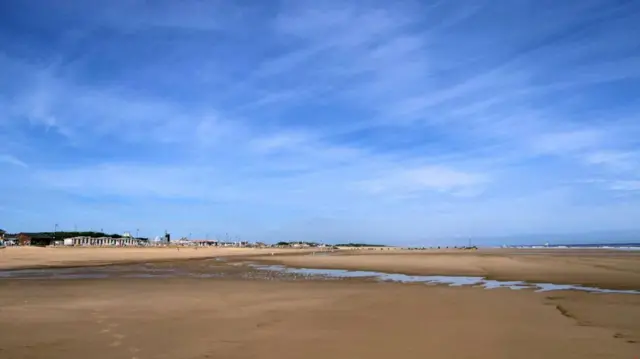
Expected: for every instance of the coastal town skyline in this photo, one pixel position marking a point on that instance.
(531, 239)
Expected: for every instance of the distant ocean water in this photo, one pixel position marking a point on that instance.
(620, 246)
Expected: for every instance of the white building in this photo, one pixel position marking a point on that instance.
(102, 241)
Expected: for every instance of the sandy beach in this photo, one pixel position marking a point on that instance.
(37, 257)
(239, 312)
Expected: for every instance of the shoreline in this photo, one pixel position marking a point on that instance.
(450, 281)
(602, 269)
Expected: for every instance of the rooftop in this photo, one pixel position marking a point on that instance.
(36, 235)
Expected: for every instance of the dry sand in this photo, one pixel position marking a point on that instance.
(34, 257)
(235, 317)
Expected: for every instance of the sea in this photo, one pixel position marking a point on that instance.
(619, 246)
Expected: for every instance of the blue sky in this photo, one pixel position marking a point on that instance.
(375, 121)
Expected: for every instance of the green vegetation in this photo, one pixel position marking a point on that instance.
(310, 244)
(63, 235)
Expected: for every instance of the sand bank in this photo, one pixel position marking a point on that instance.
(597, 268)
(36, 257)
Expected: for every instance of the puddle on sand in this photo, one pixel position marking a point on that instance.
(453, 281)
(278, 272)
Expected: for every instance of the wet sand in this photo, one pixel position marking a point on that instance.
(240, 316)
(230, 310)
(598, 268)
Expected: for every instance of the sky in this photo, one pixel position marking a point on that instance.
(403, 122)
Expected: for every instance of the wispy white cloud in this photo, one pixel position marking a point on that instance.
(616, 160)
(566, 143)
(633, 185)
(12, 160)
(134, 15)
(135, 180)
(400, 72)
(77, 111)
(279, 141)
(429, 178)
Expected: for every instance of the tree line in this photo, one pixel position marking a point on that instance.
(310, 244)
(359, 245)
(314, 244)
(63, 234)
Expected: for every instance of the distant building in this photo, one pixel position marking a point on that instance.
(35, 239)
(205, 242)
(103, 241)
(10, 239)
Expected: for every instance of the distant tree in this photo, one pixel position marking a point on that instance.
(357, 245)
